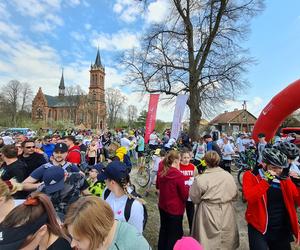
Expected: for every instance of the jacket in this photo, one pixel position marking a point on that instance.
(215, 220)
(255, 192)
(173, 193)
(74, 155)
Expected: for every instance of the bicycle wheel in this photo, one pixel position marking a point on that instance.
(143, 176)
(240, 176)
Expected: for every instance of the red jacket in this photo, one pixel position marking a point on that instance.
(74, 155)
(255, 192)
(173, 193)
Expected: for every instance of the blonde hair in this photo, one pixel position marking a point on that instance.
(212, 159)
(91, 218)
(169, 160)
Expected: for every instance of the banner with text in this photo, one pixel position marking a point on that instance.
(178, 114)
(151, 115)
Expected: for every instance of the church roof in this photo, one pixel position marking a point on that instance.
(65, 101)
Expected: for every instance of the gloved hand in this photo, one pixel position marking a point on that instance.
(268, 176)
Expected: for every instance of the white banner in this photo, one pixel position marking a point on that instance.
(178, 114)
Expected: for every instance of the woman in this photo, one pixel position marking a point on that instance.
(199, 150)
(213, 192)
(7, 203)
(173, 194)
(272, 200)
(90, 222)
(189, 171)
(92, 153)
(33, 225)
(118, 193)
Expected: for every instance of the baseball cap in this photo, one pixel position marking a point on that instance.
(261, 135)
(187, 243)
(99, 167)
(53, 179)
(115, 170)
(61, 147)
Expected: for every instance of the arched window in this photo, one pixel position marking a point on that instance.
(96, 79)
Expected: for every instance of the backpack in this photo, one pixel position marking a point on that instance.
(128, 206)
(127, 161)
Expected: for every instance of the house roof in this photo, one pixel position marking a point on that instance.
(62, 101)
(233, 117)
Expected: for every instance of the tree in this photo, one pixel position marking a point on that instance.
(195, 50)
(115, 101)
(26, 97)
(141, 120)
(132, 114)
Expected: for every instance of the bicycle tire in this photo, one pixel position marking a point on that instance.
(143, 176)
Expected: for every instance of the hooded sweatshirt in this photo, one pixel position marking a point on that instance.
(173, 193)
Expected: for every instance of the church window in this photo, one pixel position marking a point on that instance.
(39, 113)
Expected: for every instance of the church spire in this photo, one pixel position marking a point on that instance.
(98, 60)
(61, 89)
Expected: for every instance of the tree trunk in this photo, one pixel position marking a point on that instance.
(195, 115)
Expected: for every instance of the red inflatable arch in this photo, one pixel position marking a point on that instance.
(282, 105)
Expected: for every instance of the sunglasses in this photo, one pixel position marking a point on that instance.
(29, 147)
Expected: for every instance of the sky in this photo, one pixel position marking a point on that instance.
(40, 37)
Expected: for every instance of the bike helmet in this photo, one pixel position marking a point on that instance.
(274, 157)
(289, 149)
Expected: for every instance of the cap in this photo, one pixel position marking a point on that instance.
(115, 170)
(261, 135)
(61, 147)
(187, 243)
(99, 167)
(53, 179)
(12, 238)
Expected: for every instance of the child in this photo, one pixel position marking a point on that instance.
(96, 186)
(189, 171)
(158, 156)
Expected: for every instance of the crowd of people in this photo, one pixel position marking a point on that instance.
(76, 190)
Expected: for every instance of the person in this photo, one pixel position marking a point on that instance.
(140, 150)
(199, 150)
(260, 147)
(189, 171)
(74, 155)
(96, 186)
(173, 195)
(92, 152)
(157, 157)
(211, 145)
(118, 192)
(187, 243)
(171, 143)
(12, 168)
(153, 140)
(227, 152)
(213, 192)
(48, 146)
(125, 142)
(7, 203)
(32, 159)
(91, 223)
(33, 225)
(271, 204)
(1, 142)
(7, 139)
(240, 143)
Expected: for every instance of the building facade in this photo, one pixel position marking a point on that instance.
(235, 121)
(87, 110)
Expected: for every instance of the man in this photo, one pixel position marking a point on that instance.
(227, 152)
(240, 143)
(261, 146)
(48, 146)
(20, 138)
(59, 159)
(125, 142)
(12, 167)
(73, 150)
(32, 159)
(153, 140)
(211, 145)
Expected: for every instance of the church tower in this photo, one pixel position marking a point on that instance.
(61, 88)
(96, 94)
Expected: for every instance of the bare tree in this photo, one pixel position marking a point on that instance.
(26, 97)
(115, 101)
(132, 114)
(196, 51)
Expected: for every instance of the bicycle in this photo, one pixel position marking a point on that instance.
(247, 162)
(143, 175)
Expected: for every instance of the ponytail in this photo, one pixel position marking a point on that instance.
(123, 184)
(169, 160)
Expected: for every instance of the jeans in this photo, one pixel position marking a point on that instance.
(170, 230)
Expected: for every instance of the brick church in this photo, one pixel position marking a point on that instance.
(85, 110)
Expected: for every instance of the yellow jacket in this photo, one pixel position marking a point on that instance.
(120, 152)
